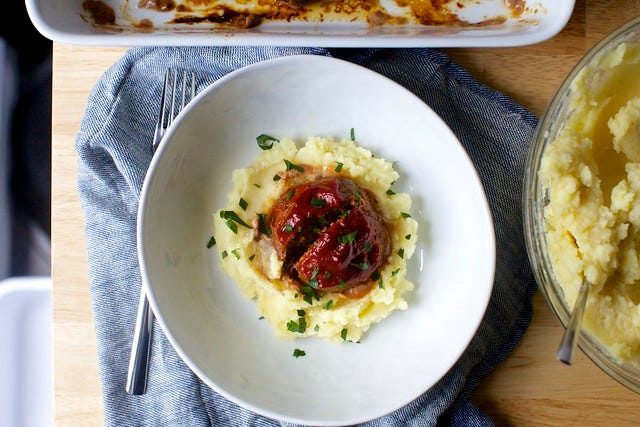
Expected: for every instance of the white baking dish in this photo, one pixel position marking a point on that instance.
(65, 21)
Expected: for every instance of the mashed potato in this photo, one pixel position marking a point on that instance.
(256, 268)
(592, 172)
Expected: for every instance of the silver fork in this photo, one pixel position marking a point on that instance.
(170, 106)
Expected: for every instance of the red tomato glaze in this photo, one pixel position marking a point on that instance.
(329, 234)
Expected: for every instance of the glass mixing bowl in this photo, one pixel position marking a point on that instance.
(536, 197)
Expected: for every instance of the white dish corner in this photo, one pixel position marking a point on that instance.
(26, 363)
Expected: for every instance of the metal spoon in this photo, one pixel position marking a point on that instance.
(570, 337)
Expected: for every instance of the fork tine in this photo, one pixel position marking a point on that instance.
(173, 99)
(160, 124)
(193, 85)
(184, 89)
(163, 102)
(172, 103)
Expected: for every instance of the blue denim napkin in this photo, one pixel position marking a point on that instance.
(114, 149)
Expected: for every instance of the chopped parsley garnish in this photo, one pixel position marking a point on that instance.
(288, 228)
(394, 272)
(328, 305)
(367, 247)
(339, 166)
(390, 192)
(312, 280)
(300, 326)
(266, 141)
(276, 177)
(224, 254)
(301, 313)
(347, 238)
(353, 134)
(211, 242)
(243, 204)
(357, 196)
(316, 328)
(232, 226)
(408, 237)
(262, 224)
(290, 194)
(317, 203)
(261, 318)
(257, 185)
(236, 253)
(361, 266)
(327, 274)
(290, 166)
(342, 284)
(251, 257)
(297, 353)
(377, 277)
(233, 217)
(344, 214)
(308, 294)
(343, 334)
(405, 215)
(400, 253)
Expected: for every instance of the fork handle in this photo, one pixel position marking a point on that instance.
(141, 348)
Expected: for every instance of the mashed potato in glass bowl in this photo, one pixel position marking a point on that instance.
(296, 304)
(582, 201)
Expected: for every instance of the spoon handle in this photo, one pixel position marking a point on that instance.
(570, 337)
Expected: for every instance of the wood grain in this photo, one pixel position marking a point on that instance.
(529, 388)
(77, 391)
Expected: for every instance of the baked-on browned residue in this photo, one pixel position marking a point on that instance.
(517, 7)
(250, 13)
(101, 13)
(224, 15)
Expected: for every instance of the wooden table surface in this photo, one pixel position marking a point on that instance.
(529, 388)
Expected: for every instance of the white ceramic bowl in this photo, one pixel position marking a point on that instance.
(217, 332)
